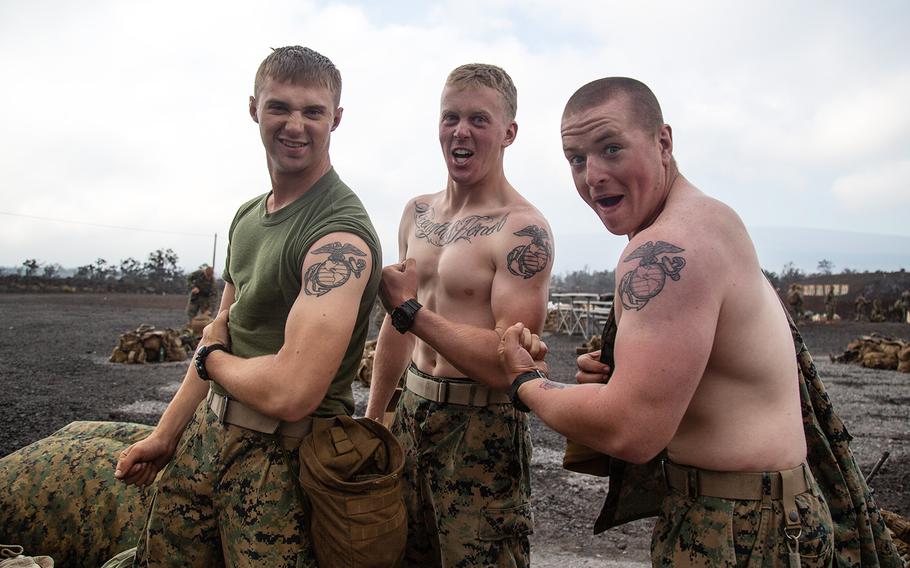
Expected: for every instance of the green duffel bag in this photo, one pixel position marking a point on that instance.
(350, 470)
(59, 495)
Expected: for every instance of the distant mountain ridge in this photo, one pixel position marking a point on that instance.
(776, 246)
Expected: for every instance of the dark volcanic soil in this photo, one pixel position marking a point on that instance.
(54, 370)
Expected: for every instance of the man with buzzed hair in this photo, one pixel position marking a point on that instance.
(703, 368)
(474, 258)
(301, 277)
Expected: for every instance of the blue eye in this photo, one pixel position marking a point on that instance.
(576, 160)
(612, 149)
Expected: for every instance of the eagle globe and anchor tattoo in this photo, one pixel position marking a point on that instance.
(529, 259)
(334, 271)
(648, 278)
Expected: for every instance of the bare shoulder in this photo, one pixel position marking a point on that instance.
(528, 243)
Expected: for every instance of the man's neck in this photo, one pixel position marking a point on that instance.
(288, 188)
(492, 191)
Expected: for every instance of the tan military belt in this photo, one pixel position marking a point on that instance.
(230, 411)
(453, 392)
(745, 486)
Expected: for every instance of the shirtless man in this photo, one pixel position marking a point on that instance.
(477, 256)
(704, 360)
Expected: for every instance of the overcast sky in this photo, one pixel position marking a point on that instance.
(134, 114)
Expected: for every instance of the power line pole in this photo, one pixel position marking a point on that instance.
(214, 250)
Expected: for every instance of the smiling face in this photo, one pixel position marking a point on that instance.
(473, 132)
(620, 170)
(295, 124)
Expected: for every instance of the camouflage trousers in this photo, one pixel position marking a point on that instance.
(230, 496)
(710, 531)
(466, 483)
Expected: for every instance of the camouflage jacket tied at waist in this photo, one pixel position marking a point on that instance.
(860, 535)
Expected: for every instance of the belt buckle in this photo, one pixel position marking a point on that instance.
(222, 408)
(692, 483)
(442, 391)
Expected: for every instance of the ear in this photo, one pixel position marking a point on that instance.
(665, 139)
(511, 133)
(336, 120)
(253, 114)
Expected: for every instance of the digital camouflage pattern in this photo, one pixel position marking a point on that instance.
(709, 531)
(60, 497)
(466, 483)
(229, 495)
(860, 535)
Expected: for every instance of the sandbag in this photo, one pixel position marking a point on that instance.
(59, 496)
(350, 470)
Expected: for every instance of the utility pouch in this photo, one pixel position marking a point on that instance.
(350, 470)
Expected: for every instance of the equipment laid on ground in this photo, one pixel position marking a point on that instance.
(149, 345)
(877, 352)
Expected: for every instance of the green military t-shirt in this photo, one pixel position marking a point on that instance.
(265, 261)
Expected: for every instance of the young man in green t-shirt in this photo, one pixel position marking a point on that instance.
(301, 275)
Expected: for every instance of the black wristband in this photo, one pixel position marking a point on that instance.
(516, 384)
(199, 360)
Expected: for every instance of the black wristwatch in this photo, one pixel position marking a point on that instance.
(403, 315)
(199, 360)
(516, 384)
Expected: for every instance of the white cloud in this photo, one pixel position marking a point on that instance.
(881, 189)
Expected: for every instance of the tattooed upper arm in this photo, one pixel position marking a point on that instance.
(646, 280)
(530, 257)
(339, 262)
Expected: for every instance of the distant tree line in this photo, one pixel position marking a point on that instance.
(158, 274)
(604, 281)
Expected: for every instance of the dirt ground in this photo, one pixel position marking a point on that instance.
(54, 370)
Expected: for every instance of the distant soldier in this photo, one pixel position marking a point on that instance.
(795, 300)
(905, 305)
(860, 307)
(878, 313)
(830, 303)
(202, 292)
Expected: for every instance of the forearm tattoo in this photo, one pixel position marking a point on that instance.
(443, 233)
(648, 278)
(547, 384)
(528, 259)
(334, 271)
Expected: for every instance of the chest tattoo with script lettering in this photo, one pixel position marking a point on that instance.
(445, 232)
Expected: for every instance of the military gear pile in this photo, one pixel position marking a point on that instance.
(350, 470)
(365, 370)
(592, 344)
(900, 533)
(149, 345)
(877, 352)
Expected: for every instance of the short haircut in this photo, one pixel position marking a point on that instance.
(642, 100)
(474, 74)
(299, 66)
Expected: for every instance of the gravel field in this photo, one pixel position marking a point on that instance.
(54, 370)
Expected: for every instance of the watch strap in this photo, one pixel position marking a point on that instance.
(516, 384)
(403, 315)
(202, 354)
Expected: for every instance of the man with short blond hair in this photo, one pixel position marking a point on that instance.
(301, 277)
(474, 257)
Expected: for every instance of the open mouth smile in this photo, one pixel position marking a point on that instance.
(607, 202)
(460, 155)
